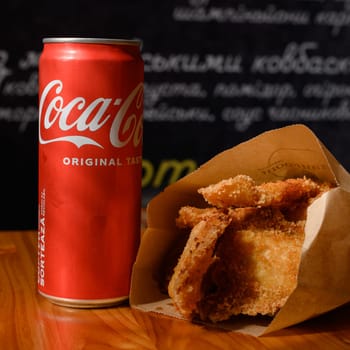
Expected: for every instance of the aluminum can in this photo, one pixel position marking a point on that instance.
(89, 169)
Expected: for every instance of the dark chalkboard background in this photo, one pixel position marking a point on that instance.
(216, 74)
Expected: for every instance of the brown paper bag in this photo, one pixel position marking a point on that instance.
(291, 151)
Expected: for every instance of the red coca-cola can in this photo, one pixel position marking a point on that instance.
(90, 169)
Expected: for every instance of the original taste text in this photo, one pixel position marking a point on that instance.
(101, 162)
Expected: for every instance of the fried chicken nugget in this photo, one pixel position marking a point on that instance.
(255, 267)
(190, 216)
(242, 191)
(239, 191)
(185, 284)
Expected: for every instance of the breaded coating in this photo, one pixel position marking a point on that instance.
(242, 191)
(243, 253)
(239, 191)
(185, 285)
(255, 268)
(191, 216)
(285, 193)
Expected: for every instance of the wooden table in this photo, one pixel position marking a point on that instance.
(28, 321)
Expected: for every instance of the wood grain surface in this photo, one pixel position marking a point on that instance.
(28, 321)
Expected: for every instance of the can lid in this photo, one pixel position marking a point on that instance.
(109, 41)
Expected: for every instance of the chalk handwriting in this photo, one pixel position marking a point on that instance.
(258, 89)
(22, 87)
(326, 91)
(4, 70)
(336, 20)
(21, 115)
(30, 60)
(242, 117)
(241, 14)
(192, 63)
(155, 92)
(301, 58)
(166, 113)
(339, 112)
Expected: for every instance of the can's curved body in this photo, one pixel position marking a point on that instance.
(90, 168)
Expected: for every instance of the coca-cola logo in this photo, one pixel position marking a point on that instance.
(88, 117)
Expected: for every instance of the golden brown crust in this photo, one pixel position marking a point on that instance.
(242, 191)
(243, 253)
(190, 216)
(185, 285)
(239, 191)
(255, 269)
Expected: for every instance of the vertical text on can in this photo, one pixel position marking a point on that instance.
(90, 168)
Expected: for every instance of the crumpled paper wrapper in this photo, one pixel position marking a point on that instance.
(323, 279)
